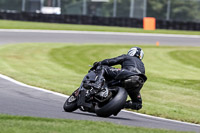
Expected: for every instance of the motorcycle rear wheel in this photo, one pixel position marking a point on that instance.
(115, 104)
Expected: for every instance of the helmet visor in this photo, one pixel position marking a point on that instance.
(141, 55)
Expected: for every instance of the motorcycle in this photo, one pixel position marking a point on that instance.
(107, 101)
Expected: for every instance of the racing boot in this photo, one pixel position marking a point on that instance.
(133, 105)
(136, 101)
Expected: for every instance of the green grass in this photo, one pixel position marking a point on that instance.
(16, 124)
(5, 24)
(171, 91)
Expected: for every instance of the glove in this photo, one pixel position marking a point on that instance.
(95, 64)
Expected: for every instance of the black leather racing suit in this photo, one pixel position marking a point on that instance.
(129, 66)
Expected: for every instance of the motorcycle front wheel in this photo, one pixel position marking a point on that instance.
(70, 104)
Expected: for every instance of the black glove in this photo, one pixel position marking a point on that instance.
(95, 65)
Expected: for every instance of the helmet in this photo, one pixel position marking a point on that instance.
(137, 52)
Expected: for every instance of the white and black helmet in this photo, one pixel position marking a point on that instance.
(137, 52)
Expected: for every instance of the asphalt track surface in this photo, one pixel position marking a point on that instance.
(19, 99)
(26, 36)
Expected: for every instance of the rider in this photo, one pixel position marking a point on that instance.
(132, 74)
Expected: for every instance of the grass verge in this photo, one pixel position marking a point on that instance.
(173, 86)
(6, 24)
(19, 124)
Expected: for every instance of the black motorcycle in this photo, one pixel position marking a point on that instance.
(107, 101)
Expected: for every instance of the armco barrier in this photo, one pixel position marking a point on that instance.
(93, 20)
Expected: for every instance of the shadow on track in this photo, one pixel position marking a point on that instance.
(93, 115)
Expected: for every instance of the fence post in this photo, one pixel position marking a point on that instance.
(114, 8)
(59, 3)
(131, 15)
(168, 9)
(145, 9)
(23, 5)
(41, 4)
(84, 7)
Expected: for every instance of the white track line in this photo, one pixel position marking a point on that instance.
(159, 118)
(62, 95)
(100, 33)
(32, 87)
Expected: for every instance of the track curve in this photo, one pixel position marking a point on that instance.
(20, 99)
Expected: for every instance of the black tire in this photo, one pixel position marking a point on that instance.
(70, 105)
(114, 106)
